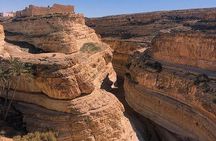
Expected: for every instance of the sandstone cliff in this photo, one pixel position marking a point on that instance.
(173, 82)
(195, 49)
(66, 33)
(123, 50)
(169, 84)
(1, 37)
(61, 92)
(1, 33)
(138, 30)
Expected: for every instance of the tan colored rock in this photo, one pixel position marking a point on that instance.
(98, 116)
(1, 33)
(65, 33)
(123, 50)
(5, 139)
(62, 91)
(51, 92)
(172, 114)
(178, 97)
(63, 76)
(2, 36)
(196, 49)
(168, 84)
(141, 28)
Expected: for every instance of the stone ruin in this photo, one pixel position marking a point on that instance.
(7, 14)
(35, 10)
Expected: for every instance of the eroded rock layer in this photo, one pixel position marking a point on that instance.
(123, 50)
(176, 94)
(1, 37)
(1, 33)
(61, 92)
(195, 49)
(65, 33)
(173, 82)
(139, 30)
(95, 117)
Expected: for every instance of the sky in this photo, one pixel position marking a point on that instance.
(99, 8)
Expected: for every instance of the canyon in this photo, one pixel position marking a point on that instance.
(61, 65)
(168, 61)
(136, 77)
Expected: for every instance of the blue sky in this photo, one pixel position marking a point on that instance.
(97, 8)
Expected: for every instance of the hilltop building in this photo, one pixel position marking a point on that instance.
(7, 14)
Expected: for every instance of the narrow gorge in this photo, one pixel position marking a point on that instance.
(168, 63)
(133, 77)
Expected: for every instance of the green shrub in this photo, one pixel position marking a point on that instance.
(10, 69)
(90, 48)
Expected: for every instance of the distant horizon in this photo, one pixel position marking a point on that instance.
(94, 8)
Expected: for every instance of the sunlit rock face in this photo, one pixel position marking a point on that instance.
(1, 38)
(173, 81)
(137, 31)
(62, 91)
(195, 49)
(170, 85)
(1, 33)
(5, 139)
(65, 33)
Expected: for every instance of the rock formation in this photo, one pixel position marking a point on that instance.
(179, 49)
(5, 139)
(64, 33)
(1, 33)
(168, 61)
(173, 81)
(138, 30)
(2, 36)
(180, 98)
(123, 50)
(61, 91)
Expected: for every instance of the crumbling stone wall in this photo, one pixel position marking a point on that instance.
(35, 10)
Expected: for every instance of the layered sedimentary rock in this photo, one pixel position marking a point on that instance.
(66, 33)
(61, 92)
(1, 37)
(142, 27)
(138, 30)
(173, 82)
(123, 50)
(195, 49)
(170, 85)
(1, 33)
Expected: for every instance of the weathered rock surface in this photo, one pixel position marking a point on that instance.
(62, 91)
(173, 82)
(123, 50)
(1, 38)
(64, 33)
(5, 139)
(178, 95)
(63, 76)
(194, 49)
(138, 30)
(98, 116)
(1, 33)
